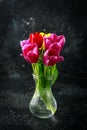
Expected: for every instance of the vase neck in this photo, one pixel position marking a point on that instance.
(43, 81)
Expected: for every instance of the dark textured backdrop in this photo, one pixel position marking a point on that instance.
(18, 18)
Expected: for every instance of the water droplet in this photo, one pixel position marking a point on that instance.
(44, 29)
(27, 23)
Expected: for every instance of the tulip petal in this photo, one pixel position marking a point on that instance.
(61, 42)
(60, 58)
(61, 37)
(26, 48)
(55, 46)
(47, 43)
(24, 42)
(36, 38)
(53, 37)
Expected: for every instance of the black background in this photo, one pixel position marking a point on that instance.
(18, 18)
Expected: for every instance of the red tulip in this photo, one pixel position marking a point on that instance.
(36, 38)
(51, 57)
(29, 51)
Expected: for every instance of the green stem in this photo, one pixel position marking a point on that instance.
(43, 86)
(44, 83)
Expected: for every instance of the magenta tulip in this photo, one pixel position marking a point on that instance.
(51, 57)
(61, 41)
(53, 38)
(56, 47)
(29, 51)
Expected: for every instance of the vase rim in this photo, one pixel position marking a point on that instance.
(46, 77)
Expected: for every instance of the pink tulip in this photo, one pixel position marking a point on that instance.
(29, 51)
(51, 57)
(24, 42)
(53, 38)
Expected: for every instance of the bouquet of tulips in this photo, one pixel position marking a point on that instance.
(43, 52)
(43, 49)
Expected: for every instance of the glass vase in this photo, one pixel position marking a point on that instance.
(43, 104)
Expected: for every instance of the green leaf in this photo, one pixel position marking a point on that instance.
(55, 75)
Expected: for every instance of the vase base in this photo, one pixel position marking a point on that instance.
(40, 113)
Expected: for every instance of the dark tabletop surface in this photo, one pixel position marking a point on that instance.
(18, 18)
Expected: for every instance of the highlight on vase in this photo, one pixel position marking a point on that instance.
(43, 52)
